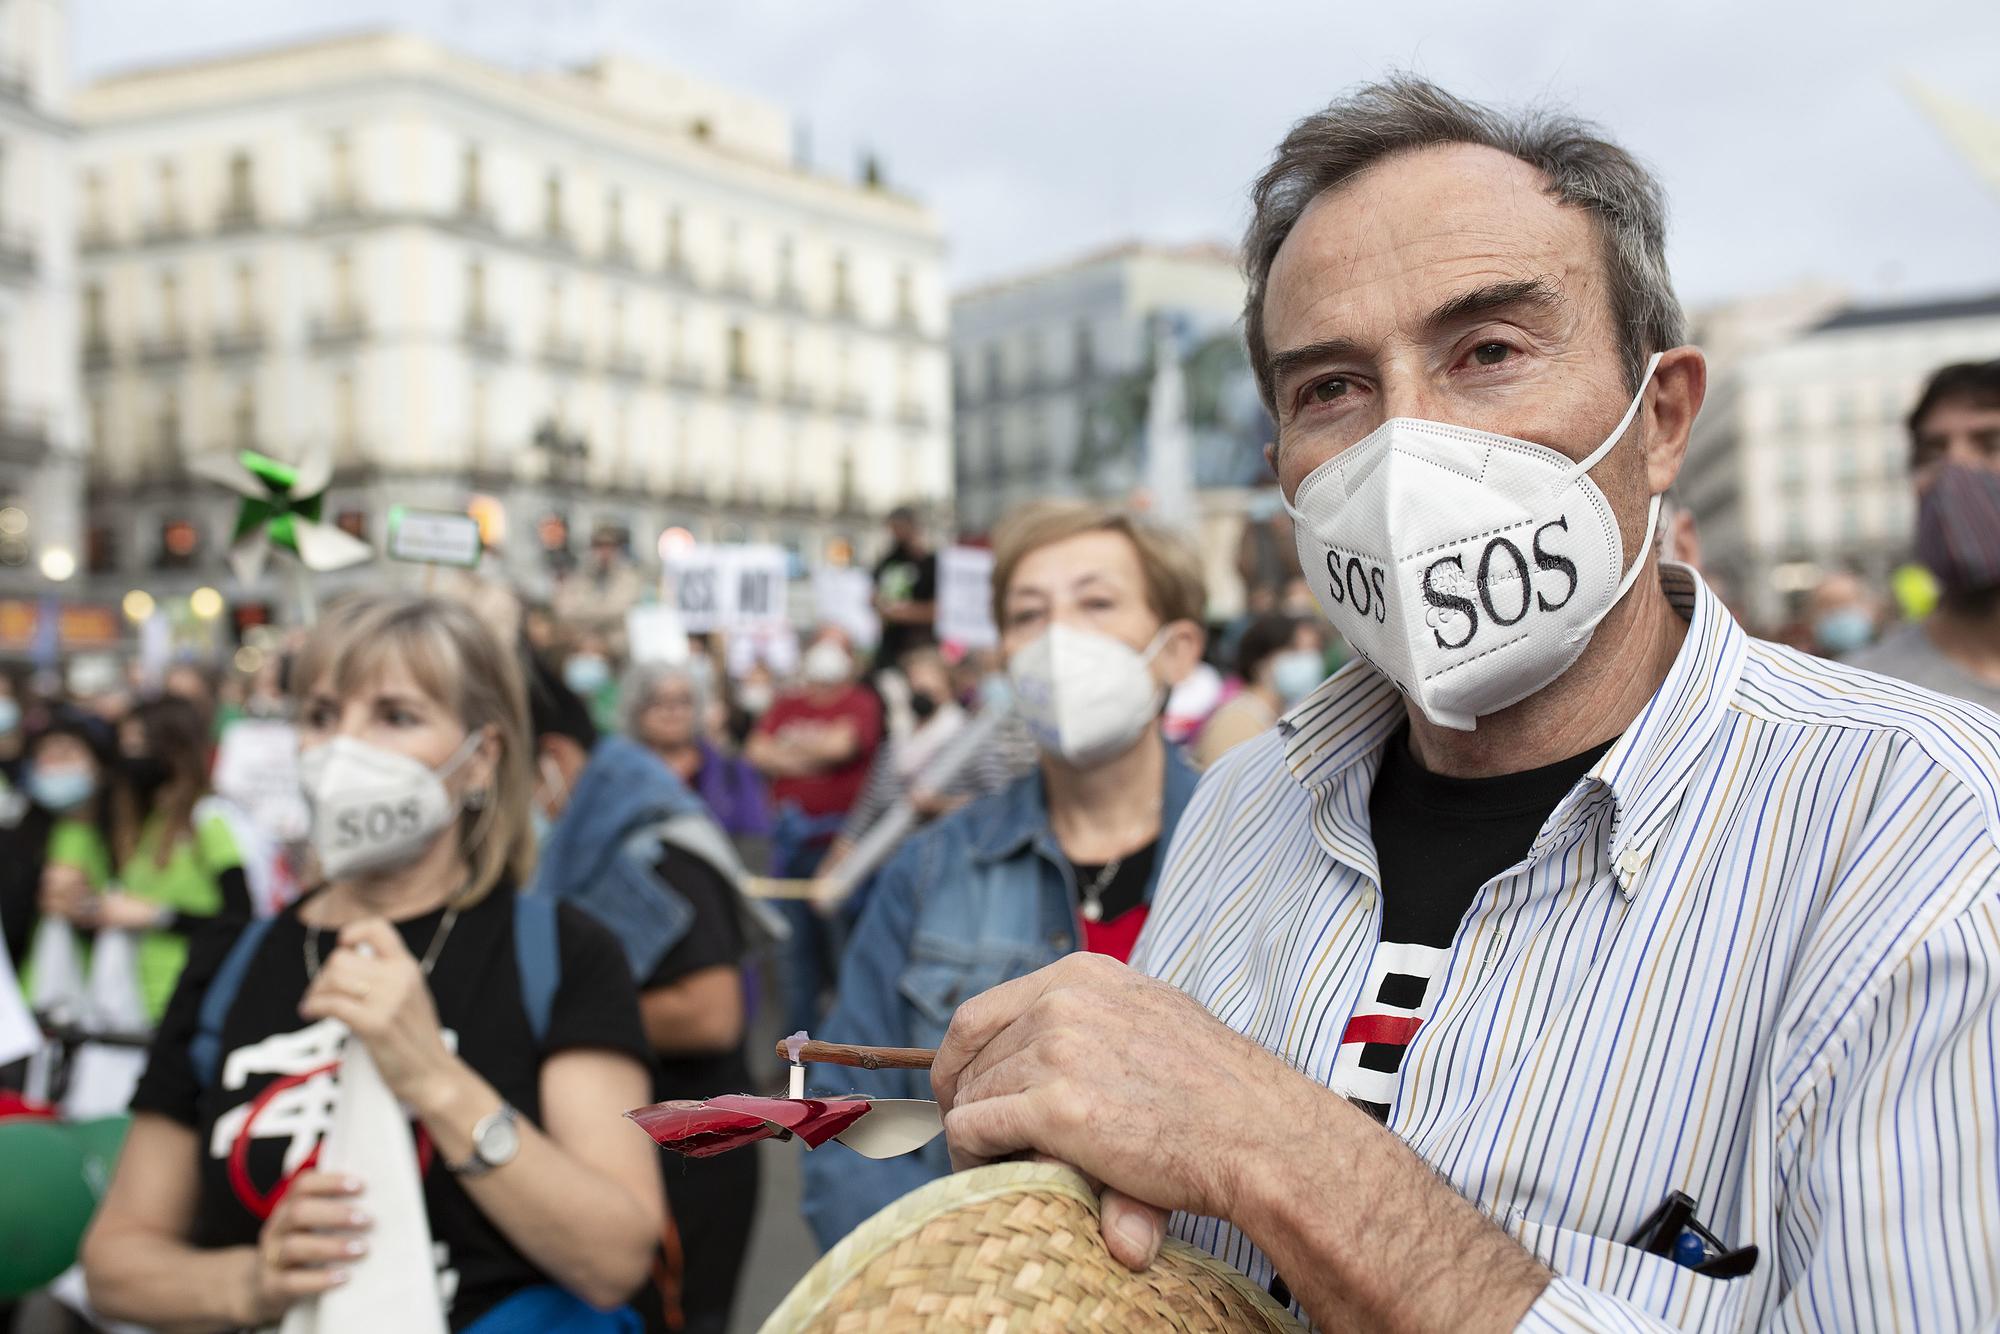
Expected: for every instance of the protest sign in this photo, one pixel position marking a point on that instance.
(965, 597)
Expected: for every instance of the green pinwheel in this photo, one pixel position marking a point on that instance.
(281, 508)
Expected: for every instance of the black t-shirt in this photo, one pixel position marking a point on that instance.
(1127, 887)
(262, 1119)
(1437, 840)
(904, 576)
(714, 938)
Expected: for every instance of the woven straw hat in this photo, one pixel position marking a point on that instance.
(1013, 1247)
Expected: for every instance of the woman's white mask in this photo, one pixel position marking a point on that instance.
(1086, 696)
(1469, 568)
(373, 809)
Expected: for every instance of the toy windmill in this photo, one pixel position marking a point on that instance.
(281, 508)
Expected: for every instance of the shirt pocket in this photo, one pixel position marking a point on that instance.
(934, 989)
(1653, 1283)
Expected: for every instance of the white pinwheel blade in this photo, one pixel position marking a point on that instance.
(247, 555)
(324, 547)
(228, 470)
(314, 470)
(893, 1127)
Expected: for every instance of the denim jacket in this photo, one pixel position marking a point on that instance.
(982, 896)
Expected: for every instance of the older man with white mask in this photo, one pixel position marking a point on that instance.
(1570, 960)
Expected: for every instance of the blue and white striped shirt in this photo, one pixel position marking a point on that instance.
(1753, 955)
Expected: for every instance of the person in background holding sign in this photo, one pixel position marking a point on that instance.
(815, 744)
(905, 589)
(1100, 615)
(1955, 467)
(507, 1025)
(1571, 960)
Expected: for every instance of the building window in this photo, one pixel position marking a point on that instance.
(552, 328)
(906, 298)
(340, 168)
(243, 418)
(614, 226)
(346, 426)
(481, 415)
(167, 426)
(843, 298)
(739, 355)
(170, 307)
(475, 295)
(787, 263)
(97, 222)
(675, 258)
(169, 203)
(1086, 351)
(471, 188)
(93, 314)
(1788, 412)
(552, 206)
(101, 548)
(239, 205)
(246, 298)
(995, 369)
(346, 309)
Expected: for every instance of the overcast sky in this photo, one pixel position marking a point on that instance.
(1038, 128)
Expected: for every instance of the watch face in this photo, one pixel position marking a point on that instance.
(499, 1141)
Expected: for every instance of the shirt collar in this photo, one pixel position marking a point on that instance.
(1015, 816)
(1337, 733)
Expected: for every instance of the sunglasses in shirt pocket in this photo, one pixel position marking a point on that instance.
(1653, 1283)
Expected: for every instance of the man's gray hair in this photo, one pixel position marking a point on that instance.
(1405, 113)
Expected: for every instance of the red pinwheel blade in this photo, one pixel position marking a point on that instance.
(700, 1129)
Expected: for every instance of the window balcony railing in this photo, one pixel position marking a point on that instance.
(476, 213)
(238, 215)
(625, 363)
(561, 352)
(913, 415)
(743, 384)
(483, 335)
(246, 339)
(618, 253)
(96, 352)
(24, 438)
(17, 257)
(165, 349)
(686, 375)
(797, 395)
(850, 403)
(343, 205)
(340, 329)
(167, 227)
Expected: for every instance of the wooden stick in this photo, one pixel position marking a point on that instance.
(867, 1058)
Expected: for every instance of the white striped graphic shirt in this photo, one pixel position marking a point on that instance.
(1754, 955)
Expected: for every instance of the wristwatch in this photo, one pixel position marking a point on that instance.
(495, 1141)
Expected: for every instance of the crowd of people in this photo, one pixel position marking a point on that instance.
(542, 885)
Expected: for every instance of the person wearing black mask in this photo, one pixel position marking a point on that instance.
(1955, 467)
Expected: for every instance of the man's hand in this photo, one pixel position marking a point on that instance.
(1136, 1085)
(1126, 1079)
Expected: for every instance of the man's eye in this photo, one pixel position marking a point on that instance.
(1491, 354)
(1329, 389)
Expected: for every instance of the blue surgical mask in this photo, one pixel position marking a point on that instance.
(1296, 673)
(10, 714)
(586, 673)
(1844, 631)
(61, 790)
(540, 824)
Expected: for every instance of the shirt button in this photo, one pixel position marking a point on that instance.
(1629, 865)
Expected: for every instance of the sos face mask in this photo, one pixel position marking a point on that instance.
(1467, 567)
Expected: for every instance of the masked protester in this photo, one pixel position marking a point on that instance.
(507, 1027)
(62, 852)
(1279, 661)
(814, 744)
(1571, 959)
(1955, 464)
(1099, 615)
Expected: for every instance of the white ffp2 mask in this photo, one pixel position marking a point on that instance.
(372, 809)
(1086, 697)
(1467, 567)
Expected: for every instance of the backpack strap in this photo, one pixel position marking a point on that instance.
(205, 1048)
(536, 953)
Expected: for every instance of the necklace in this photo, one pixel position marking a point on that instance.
(1093, 893)
(431, 951)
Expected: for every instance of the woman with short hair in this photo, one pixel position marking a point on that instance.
(1100, 614)
(508, 1027)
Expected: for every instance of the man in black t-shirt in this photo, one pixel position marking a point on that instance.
(905, 589)
(631, 845)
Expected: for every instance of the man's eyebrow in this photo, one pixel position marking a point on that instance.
(1534, 293)
(1279, 365)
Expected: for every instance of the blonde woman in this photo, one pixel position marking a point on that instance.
(509, 1027)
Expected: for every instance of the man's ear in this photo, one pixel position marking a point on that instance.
(1680, 382)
